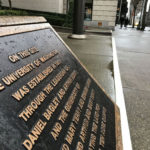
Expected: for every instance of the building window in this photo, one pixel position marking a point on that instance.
(88, 10)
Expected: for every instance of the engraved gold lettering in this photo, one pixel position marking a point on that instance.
(1, 87)
(70, 133)
(104, 114)
(41, 125)
(36, 131)
(86, 88)
(30, 108)
(32, 138)
(84, 130)
(28, 145)
(33, 50)
(21, 93)
(103, 128)
(92, 94)
(69, 80)
(92, 141)
(71, 99)
(63, 116)
(94, 128)
(40, 77)
(25, 114)
(14, 58)
(81, 103)
(65, 147)
(47, 114)
(51, 108)
(96, 114)
(88, 82)
(48, 56)
(76, 116)
(58, 77)
(61, 93)
(79, 146)
(24, 54)
(102, 141)
(67, 84)
(57, 63)
(34, 105)
(88, 114)
(34, 135)
(37, 62)
(48, 88)
(97, 107)
(86, 121)
(67, 68)
(73, 74)
(11, 78)
(56, 130)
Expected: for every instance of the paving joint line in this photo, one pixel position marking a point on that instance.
(130, 88)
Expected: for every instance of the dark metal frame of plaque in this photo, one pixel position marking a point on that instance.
(49, 101)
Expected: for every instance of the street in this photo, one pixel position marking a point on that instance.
(134, 60)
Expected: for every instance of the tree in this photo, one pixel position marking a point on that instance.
(10, 4)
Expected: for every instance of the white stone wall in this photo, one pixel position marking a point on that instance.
(104, 13)
(38, 5)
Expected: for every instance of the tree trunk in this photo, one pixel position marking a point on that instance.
(10, 4)
(144, 15)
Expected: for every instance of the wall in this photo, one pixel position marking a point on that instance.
(39, 5)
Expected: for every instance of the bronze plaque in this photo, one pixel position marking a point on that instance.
(48, 101)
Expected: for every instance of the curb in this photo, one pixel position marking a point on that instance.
(109, 32)
(64, 29)
(126, 138)
(69, 30)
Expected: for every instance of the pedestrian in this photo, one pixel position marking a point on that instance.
(121, 21)
(126, 22)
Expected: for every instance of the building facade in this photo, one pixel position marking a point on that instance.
(98, 13)
(103, 13)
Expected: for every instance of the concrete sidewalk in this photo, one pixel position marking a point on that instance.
(96, 54)
(134, 61)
